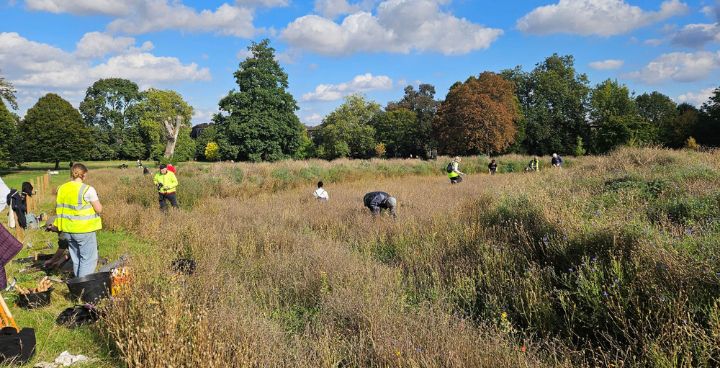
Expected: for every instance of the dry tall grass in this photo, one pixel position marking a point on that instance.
(604, 263)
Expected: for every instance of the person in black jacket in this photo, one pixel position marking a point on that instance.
(378, 201)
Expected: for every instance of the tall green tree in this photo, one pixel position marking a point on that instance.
(422, 102)
(165, 124)
(398, 130)
(54, 131)
(708, 130)
(347, 131)
(615, 119)
(478, 116)
(8, 138)
(661, 112)
(258, 120)
(554, 99)
(109, 108)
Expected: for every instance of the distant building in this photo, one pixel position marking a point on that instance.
(197, 129)
(312, 131)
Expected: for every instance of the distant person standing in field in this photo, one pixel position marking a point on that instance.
(166, 184)
(320, 193)
(78, 212)
(453, 170)
(378, 201)
(556, 160)
(492, 167)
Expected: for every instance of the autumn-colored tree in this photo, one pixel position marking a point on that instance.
(478, 116)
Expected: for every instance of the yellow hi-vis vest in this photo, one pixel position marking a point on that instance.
(75, 215)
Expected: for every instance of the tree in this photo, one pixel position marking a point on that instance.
(109, 107)
(553, 99)
(53, 131)
(207, 135)
(258, 121)
(660, 111)
(615, 118)
(8, 138)
(212, 152)
(708, 130)
(422, 102)
(398, 130)
(347, 132)
(165, 125)
(7, 93)
(477, 116)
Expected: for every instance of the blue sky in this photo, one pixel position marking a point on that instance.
(333, 48)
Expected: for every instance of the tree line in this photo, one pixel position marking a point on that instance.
(549, 109)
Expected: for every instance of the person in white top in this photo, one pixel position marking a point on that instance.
(320, 193)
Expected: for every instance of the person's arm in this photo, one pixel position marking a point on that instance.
(97, 206)
(172, 182)
(155, 180)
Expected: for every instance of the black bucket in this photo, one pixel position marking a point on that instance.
(34, 300)
(90, 288)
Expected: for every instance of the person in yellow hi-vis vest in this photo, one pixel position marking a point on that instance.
(78, 212)
(166, 183)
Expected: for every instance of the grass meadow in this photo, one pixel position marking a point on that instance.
(611, 261)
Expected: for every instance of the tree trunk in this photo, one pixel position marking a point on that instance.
(57, 164)
(172, 131)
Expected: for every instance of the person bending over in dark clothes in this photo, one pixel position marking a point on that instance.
(378, 201)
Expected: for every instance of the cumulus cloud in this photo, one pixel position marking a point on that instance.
(40, 66)
(398, 26)
(609, 64)
(153, 16)
(595, 17)
(697, 35)
(696, 98)
(678, 67)
(312, 119)
(263, 3)
(143, 16)
(361, 83)
(97, 45)
(82, 7)
(333, 8)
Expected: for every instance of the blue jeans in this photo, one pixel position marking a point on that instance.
(83, 252)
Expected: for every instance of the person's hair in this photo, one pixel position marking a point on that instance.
(77, 171)
(27, 188)
(320, 184)
(493, 160)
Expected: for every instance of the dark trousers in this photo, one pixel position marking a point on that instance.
(456, 180)
(167, 196)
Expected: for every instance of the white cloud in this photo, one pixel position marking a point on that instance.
(313, 119)
(333, 8)
(595, 17)
(243, 54)
(696, 98)
(96, 44)
(38, 66)
(82, 7)
(609, 64)
(143, 16)
(203, 115)
(678, 67)
(361, 83)
(263, 3)
(697, 35)
(158, 15)
(399, 26)
(653, 42)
